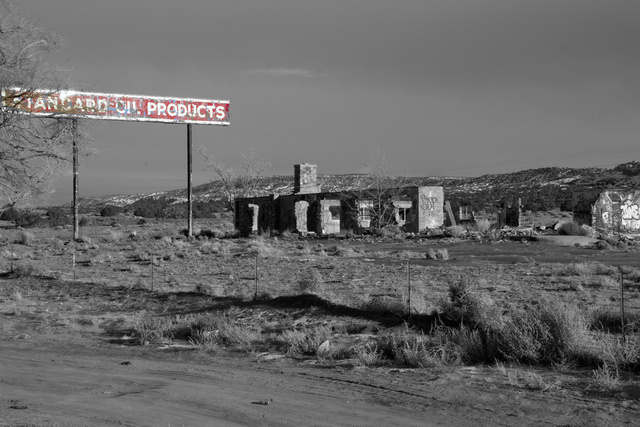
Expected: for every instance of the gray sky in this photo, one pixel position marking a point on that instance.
(445, 87)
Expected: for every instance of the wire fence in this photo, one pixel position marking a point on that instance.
(248, 278)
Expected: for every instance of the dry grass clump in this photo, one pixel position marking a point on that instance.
(409, 348)
(394, 304)
(310, 282)
(26, 237)
(607, 376)
(57, 244)
(572, 228)
(220, 329)
(483, 225)
(584, 269)
(114, 236)
(527, 378)
(27, 269)
(212, 233)
(547, 333)
(439, 254)
(390, 232)
(150, 329)
(607, 320)
(456, 231)
(263, 248)
(305, 341)
(466, 306)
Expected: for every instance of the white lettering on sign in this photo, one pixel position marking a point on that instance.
(115, 107)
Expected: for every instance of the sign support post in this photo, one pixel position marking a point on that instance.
(76, 232)
(189, 182)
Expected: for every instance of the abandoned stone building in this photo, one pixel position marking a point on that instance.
(309, 210)
(609, 210)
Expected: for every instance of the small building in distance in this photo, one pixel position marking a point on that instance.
(309, 210)
(608, 210)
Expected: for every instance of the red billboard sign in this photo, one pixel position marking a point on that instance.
(116, 107)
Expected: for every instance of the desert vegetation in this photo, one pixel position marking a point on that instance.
(372, 301)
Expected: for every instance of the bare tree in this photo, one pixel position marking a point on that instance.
(242, 184)
(33, 151)
(376, 200)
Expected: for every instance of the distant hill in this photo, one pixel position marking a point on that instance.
(538, 189)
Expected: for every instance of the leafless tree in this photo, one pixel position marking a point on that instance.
(237, 184)
(381, 190)
(33, 151)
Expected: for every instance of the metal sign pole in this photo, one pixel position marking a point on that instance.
(189, 179)
(76, 232)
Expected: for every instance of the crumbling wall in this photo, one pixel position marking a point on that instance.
(430, 205)
(583, 204)
(305, 179)
(509, 213)
(612, 210)
(301, 212)
(255, 215)
(330, 213)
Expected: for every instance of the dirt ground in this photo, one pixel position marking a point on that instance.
(68, 357)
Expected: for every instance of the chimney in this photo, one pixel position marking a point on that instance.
(305, 179)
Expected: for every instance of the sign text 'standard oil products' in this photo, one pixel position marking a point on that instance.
(116, 107)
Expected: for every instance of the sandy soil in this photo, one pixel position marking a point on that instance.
(67, 357)
(77, 382)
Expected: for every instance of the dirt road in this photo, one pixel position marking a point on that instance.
(46, 385)
(51, 388)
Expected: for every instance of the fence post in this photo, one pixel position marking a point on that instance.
(255, 296)
(13, 254)
(409, 285)
(152, 271)
(622, 326)
(74, 262)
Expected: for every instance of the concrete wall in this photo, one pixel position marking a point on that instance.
(412, 208)
(430, 208)
(305, 179)
(611, 210)
(255, 214)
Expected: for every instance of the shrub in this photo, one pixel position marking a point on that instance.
(26, 237)
(385, 304)
(220, 330)
(20, 218)
(260, 246)
(57, 217)
(150, 329)
(110, 210)
(25, 269)
(57, 244)
(441, 254)
(572, 228)
(408, 348)
(114, 236)
(483, 225)
(548, 333)
(465, 306)
(305, 342)
(456, 231)
(310, 282)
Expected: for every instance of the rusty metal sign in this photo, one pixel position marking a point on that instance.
(104, 106)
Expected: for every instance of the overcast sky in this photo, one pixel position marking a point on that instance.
(445, 87)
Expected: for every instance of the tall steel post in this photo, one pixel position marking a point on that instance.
(189, 179)
(76, 231)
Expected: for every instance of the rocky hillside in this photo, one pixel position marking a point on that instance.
(539, 189)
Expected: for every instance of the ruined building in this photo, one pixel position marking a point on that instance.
(609, 210)
(309, 210)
